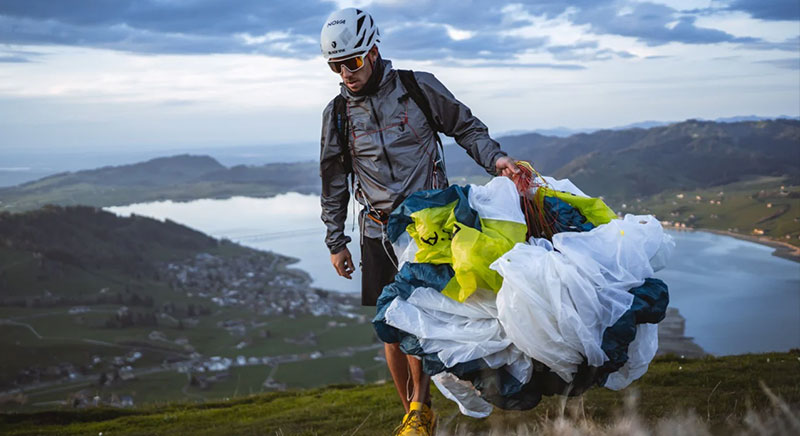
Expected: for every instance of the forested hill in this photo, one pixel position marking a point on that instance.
(90, 238)
(179, 178)
(624, 164)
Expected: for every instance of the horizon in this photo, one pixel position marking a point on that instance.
(24, 164)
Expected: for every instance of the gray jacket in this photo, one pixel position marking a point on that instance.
(394, 151)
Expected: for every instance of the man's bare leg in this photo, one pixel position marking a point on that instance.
(422, 381)
(398, 367)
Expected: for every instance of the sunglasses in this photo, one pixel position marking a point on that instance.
(352, 64)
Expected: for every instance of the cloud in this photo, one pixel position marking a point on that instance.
(768, 9)
(416, 30)
(423, 41)
(154, 26)
(653, 24)
(787, 63)
(791, 44)
(531, 65)
(13, 59)
(17, 56)
(586, 51)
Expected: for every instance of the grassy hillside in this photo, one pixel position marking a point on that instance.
(718, 392)
(764, 206)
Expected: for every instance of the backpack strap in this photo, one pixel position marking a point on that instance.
(415, 92)
(343, 131)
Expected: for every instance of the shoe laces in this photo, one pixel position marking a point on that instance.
(415, 420)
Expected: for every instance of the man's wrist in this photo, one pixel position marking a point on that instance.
(338, 248)
(497, 155)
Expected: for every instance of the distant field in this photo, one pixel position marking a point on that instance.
(169, 386)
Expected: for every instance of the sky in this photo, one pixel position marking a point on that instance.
(166, 74)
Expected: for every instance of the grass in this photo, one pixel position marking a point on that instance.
(718, 394)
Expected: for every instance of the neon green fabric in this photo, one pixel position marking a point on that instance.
(594, 209)
(441, 239)
(433, 234)
(473, 251)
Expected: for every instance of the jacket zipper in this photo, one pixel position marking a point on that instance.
(383, 145)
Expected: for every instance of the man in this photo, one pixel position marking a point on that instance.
(390, 152)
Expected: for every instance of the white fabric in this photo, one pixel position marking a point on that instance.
(497, 200)
(640, 353)
(549, 311)
(458, 332)
(462, 393)
(479, 305)
(454, 352)
(516, 363)
(564, 185)
(614, 256)
(405, 248)
(432, 324)
(555, 305)
(661, 257)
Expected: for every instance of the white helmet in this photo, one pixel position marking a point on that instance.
(348, 32)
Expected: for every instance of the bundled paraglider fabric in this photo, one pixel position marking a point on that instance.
(503, 308)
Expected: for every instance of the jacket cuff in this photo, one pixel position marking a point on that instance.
(493, 161)
(339, 246)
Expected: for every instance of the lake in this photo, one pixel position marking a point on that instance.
(736, 297)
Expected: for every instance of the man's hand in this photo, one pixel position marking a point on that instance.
(343, 263)
(506, 166)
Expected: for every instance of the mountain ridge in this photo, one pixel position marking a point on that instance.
(617, 164)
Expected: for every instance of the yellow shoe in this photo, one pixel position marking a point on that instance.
(419, 421)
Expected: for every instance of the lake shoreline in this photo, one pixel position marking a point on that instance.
(784, 250)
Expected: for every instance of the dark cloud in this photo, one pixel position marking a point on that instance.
(485, 15)
(652, 24)
(154, 26)
(415, 30)
(209, 17)
(768, 9)
(433, 42)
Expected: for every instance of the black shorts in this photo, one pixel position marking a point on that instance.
(377, 269)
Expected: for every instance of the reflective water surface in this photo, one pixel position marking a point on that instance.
(735, 295)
